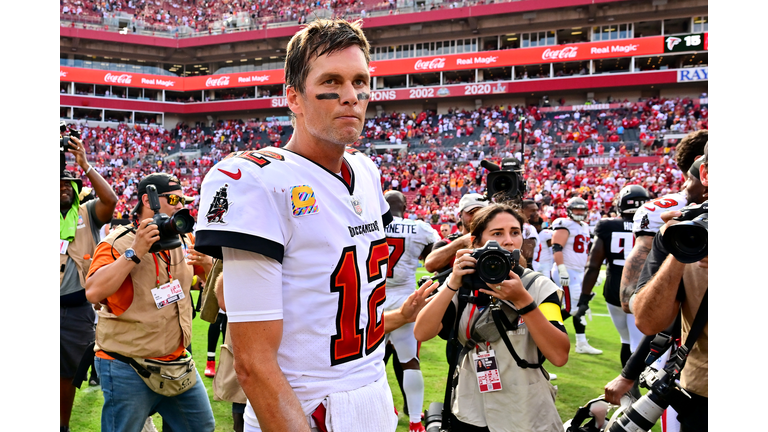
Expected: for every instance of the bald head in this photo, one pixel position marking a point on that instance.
(396, 201)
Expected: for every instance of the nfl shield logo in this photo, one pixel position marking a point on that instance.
(356, 206)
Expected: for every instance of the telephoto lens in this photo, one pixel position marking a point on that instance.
(433, 417)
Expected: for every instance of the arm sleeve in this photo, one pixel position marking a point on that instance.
(253, 286)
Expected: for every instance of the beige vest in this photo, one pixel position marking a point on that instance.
(695, 375)
(81, 249)
(526, 401)
(143, 330)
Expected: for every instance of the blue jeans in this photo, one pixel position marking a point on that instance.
(128, 402)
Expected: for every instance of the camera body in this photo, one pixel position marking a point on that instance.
(64, 145)
(170, 227)
(505, 182)
(492, 267)
(688, 240)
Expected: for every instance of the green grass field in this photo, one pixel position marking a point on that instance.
(580, 380)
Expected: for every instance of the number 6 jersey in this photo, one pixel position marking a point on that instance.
(576, 249)
(327, 232)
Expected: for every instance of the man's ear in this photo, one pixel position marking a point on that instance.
(704, 174)
(292, 98)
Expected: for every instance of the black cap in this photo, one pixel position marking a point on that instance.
(160, 181)
(69, 175)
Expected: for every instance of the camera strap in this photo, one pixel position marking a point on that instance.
(502, 323)
(674, 367)
(112, 246)
(453, 363)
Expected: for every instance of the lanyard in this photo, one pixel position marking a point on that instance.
(157, 269)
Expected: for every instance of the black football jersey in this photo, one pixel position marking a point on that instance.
(618, 241)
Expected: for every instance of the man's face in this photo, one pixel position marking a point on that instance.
(164, 206)
(445, 230)
(531, 213)
(332, 108)
(466, 218)
(694, 190)
(66, 193)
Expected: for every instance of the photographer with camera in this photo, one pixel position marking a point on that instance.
(140, 277)
(79, 225)
(680, 254)
(502, 384)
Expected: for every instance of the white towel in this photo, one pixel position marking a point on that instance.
(367, 409)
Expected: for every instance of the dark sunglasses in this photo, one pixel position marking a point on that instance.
(174, 199)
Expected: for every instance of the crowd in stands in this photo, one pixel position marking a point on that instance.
(207, 15)
(220, 15)
(441, 162)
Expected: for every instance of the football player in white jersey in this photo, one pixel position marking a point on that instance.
(647, 219)
(530, 235)
(409, 241)
(301, 233)
(543, 260)
(570, 247)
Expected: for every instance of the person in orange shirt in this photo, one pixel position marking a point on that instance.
(144, 315)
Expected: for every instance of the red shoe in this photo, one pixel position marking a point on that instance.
(210, 368)
(416, 427)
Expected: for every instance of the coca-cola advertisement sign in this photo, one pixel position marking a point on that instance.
(558, 54)
(217, 82)
(435, 63)
(118, 79)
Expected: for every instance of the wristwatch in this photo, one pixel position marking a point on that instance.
(130, 255)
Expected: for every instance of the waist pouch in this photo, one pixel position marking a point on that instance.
(166, 378)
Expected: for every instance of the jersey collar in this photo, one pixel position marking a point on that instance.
(347, 173)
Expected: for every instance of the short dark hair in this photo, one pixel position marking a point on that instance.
(321, 37)
(486, 214)
(690, 147)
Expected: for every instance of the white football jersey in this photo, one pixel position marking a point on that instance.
(647, 220)
(576, 249)
(407, 239)
(543, 252)
(327, 231)
(529, 232)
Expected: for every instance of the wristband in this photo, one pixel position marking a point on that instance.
(449, 287)
(528, 308)
(90, 167)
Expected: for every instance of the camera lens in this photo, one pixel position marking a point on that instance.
(182, 222)
(502, 183)
(687, 241)
(493, 268)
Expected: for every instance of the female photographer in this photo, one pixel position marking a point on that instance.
(526, 400)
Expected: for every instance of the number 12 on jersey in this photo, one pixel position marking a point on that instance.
(347, 343)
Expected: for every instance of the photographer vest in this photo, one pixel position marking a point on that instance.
(528, 390)
(81, 249)
(695, 375)
(143, 330)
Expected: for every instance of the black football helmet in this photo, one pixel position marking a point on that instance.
(576, 203)
(631, 198)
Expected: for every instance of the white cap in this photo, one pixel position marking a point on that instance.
(470, 201)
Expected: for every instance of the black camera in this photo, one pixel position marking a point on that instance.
(170, 227)
(646, 411)
(492, 267)
(688, 240)
(64, 144)
(506, 182)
